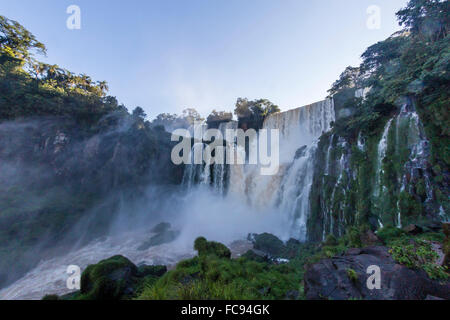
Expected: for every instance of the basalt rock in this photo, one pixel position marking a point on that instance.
(329, 278)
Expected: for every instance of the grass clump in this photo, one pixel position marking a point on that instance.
(213, 275)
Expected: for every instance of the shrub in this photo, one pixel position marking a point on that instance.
(205, 247)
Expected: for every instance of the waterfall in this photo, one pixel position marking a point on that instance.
(288, 191)
(409, 136)
(381, 154)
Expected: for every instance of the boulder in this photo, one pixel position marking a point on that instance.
(163, 235)
(268, 243)
(115, 278)
(369, 238)
(329, 278)
(110, 279)
(413, 229)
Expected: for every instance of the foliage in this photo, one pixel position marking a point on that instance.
(352, 275)
(210, 277)
(173, 121)
(419, 255)
(255, 111)
(427, 19)
(206, 248)
(216, 117)
(348, 79)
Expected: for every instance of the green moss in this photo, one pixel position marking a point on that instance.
(270, 244)
(217, 249)
(352, 275)
(108, 279)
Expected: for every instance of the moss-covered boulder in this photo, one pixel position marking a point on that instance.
(109, 279)
(205, 248)
(269, 243)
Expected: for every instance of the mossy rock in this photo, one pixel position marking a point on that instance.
(156, 271)
(270, 244)
(205, 248)
(51, 297)
(110, 279)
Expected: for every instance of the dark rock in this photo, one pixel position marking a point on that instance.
(446, 228)
(162, 227)
(292, 295)
(413, 229)
(433, 226)
(369, 238)
(269, 243)
(300, 152)
(353, 252)
(328, 279)
(166, 236)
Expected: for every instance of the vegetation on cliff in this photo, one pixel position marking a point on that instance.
(66, 150)
(388, 166)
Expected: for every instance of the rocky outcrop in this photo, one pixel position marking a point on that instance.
(115, 278)
(345, 277)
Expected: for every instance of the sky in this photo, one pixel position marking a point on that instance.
(168, 55)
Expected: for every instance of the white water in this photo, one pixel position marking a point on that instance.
(287, 191)
(415, 141)
(50, 276)
(277, 204)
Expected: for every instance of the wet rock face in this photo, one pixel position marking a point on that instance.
(330, 278)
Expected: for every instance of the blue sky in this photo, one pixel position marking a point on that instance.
(166, 55)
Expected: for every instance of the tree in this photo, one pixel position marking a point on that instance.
(254, 111)
(191, 116)
(348, 79)
(139, 113)
(426, 19)
(219, 116)
(18, 41)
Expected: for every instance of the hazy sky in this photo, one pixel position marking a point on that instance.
(165, 55)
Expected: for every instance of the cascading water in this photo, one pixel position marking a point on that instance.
(288, 191)
(404, 135)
